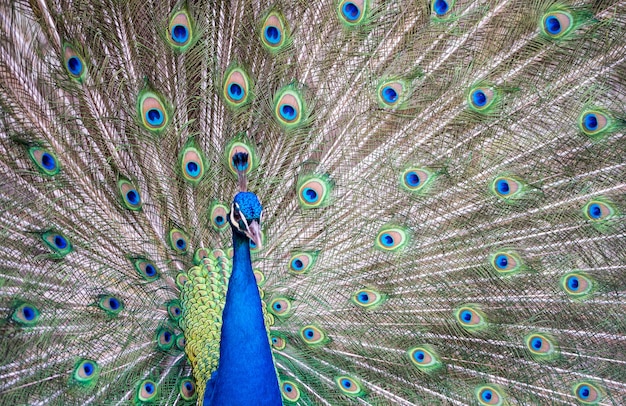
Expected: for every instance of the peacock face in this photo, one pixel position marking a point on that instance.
(245, 216)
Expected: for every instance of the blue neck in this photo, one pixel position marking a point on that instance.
(246, 374)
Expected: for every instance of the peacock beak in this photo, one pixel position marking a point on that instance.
(254, 233)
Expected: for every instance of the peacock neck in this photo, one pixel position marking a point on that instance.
(246, 373)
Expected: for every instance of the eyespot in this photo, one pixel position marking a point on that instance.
(349, 386)
(180, 342)
(219, 216)
(201, 255)
(45, 160)
(174, 310)
(506, 187)
(441, 8)
(481, 98)
(130, 195)
(165, 338)
(290, 391)
(391, 93)
(274, 34)
(25, 314)
(489, 395)
(416, 180)
(313, 335)
(178, 240)
(180, 31)
(506, 262)
(236, 90)
(146, 269)
(587, 393)
(556, 24)
(192, 164)
(236, 147)
(151, 108)
(74, 63)
(368, 298)
(260, 277)
(147, 391)
(425, 358)
(289, 107)
(58, 242)
(314, 192)
(187, 388)
(595, 123)
(470, 318)
(598, 210)
(110, 304)
(278, 341)
(280, 306)
(541, 346)
(391, 239)
(86, 372)
(301, 262)
(577, 284)
(352, 12)
(181, 280)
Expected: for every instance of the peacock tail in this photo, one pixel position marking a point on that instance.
(443, 186)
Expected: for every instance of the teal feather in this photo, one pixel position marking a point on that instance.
(443, 187)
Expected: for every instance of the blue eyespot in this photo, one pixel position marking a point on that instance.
(536, 343)
(48, 161)
(553, 25)
(419, 356)
(252, 244)
(346, 383)
(441, 7)
(277, 306)
(297, 264)
(486, 395)
(193, 169)
(351, 11)
(28, 312)
(287, 112)
(590, 121)
(167, 336)
(502, 261)
(75, 66)
(219, 220)
(466, 315)
(503, 187)
(412, 179)
(181, 244)
(363, 297)
(88, 368)
(595, 211)
(132, 196)
(573, 283)
(309, 332)
(584, 391)
(180, 34)
(235, 91)
(387, 240)
(479, 98)
(272, 34)
(310, 195)
(154, 117)
(389, 94)
(60, 242)
(114, 304)
(149, 388)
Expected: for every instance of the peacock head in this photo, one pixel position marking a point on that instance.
(245, 216)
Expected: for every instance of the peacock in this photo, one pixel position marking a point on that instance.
(330, 202)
